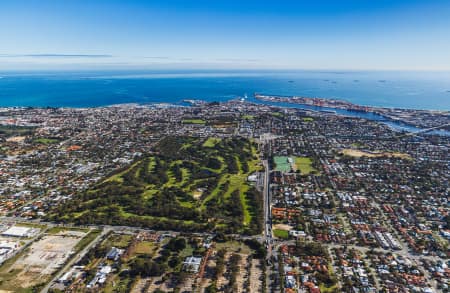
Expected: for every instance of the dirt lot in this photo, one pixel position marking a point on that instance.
(283, 227)
(255, 274)
(42, 259)
(16, 139)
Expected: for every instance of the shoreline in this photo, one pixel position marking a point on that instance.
(409, 117)
(409, 120)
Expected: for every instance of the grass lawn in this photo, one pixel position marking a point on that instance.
(144, 247)
(283, 234)
(31, 225)
(118, 177)
(117, 284)
(56, 230)
(87, 239)
(211, 142)
(282, 164)
(119, 240)
(325, 289)
(304, 164)
(8, 276)
(308, 119)
(188, 251)
(46, 140)
(233, 246)
(193, 121)
(377, 154)
(277, 114)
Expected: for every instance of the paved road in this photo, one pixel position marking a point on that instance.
(267, 216)
(267, 221)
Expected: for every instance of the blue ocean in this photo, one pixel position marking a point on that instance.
(415, 90)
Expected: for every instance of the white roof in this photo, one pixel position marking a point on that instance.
(17, 231)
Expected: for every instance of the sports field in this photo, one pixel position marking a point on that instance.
(282, 164)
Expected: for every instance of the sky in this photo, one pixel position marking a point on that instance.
(225, 34)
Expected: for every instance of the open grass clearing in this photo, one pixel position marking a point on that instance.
(144, 247)
(46, 140)
(233, 246)
(193, 121)
(57, 230)
(304, 164)
(359, 153)
(211, 142)
(282, 234)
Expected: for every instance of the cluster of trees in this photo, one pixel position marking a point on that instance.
(166, 203)
(213, 163)
(234, 270)
(218, 271)
(98, 251)
(176, 244)
(233, 265)
(145, 267)
(156, 176)
(259, 251)
(177, 172)
(256, 209)
(213, 205)
(171, 147)
(124, 200)
(235, 211)
(311, 249)
(13, 130)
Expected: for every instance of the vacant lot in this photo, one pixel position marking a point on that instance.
(36, 264)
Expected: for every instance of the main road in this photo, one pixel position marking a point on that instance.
(266, 195)
(267, 222)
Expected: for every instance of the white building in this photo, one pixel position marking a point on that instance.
(17, 231)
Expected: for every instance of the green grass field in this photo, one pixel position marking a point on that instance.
(282, 234)
(282, 164)
(87, 239)
(304, 164)
(193, 121)
(145, 247)
(57, 230)
(211, 142)
(46, 140)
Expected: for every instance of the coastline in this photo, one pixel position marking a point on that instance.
(422, 123)
(409, 117)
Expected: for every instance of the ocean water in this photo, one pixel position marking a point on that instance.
(415, 90)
